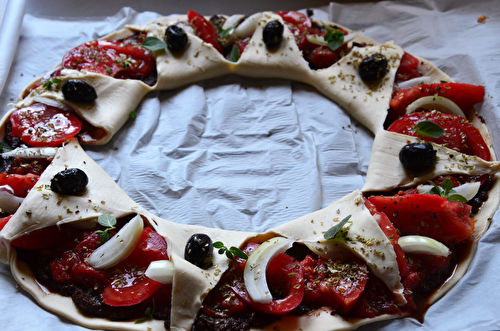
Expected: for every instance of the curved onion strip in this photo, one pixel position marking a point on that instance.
(162, 271)
(51, 102)
(467, 190)
(423, 245)
(32, 152)
(436, 102)
(320, 40)
(256, 266)
(248, 26)
(119, 246)
(8, 201)
(232, 21)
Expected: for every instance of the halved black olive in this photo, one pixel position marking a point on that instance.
(272, 34)
(418, 156)
(373, 68)
(176, 38)
(70, 181)
(78, 91)
(199, 250)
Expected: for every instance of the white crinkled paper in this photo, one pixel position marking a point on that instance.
(249, 154)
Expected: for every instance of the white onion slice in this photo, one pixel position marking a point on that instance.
(32, 152)
(320, 40)
(423, 245)
(256, 266)
(8, 201)
(467, 190)
(161, 271)
(248, 26)
(413, 82)
(51, 102)
(436, 102)
(232, 21)
(119, 246)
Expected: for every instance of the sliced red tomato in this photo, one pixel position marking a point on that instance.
(204, 30)
(24, 166)
(150, 247)
(4, 221)
(464, 95)
(129, 287)
(111, 58)
(392, 234)
(334, 283)
(21, 184)
(428, 215)
(46, 237)
(459, 134)
(40, 125)
(323, 57)
(298, 20)
(408, 68)
(285, 279)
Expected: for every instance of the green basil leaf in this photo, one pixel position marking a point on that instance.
(235, 54)
(335, 39)
(153, 44)
(332, 232)
(224, 33)
(238, 252)
(229, 255)
(447, 185)
(4, 147)
(218, 244)
(107, 220)
(457, 198)
(429, 129)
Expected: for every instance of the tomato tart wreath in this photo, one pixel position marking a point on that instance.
(86, 251)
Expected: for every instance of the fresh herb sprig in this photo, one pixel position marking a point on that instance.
(429, 129)
(48, 84)
(446, 191)
(223, 33)
(332, 232)
(230, 252)
(234, 56)
(4, 148)
(333, 37)
(109, 222)
(154, 44)
(148, 314)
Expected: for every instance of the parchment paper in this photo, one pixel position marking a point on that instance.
(248, 154)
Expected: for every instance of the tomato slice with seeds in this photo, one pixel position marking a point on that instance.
(408, 68)
(334, 283)
(111, 58)
(129, 285)
(285, 279)
(21, 184)
(204, 30)
(427, 215)
(459, 134)
(40, 125)
(4, 221)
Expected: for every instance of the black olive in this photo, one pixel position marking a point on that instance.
(418, 156)
(272, 34)
(199, 250)
(78, 91)
(373, 68)
(176, 38)
(69, 181)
